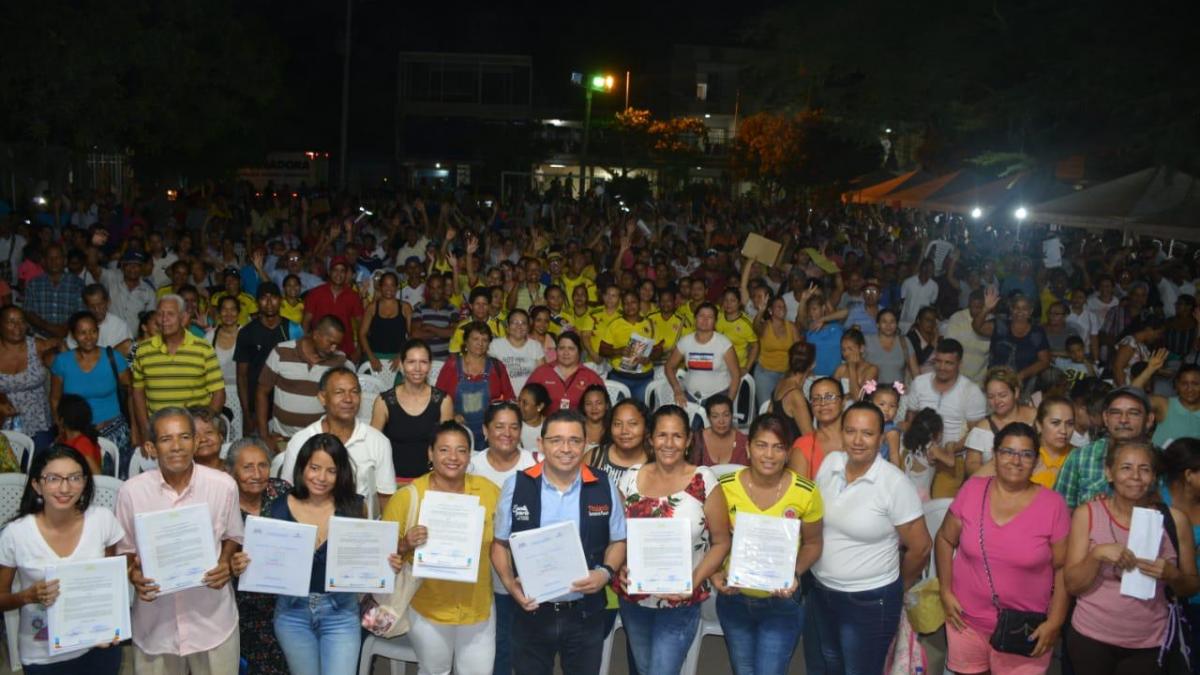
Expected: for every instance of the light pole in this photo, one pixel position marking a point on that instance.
(596, 83)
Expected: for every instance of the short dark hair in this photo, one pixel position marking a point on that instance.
(865, 406)
(329, 374)
(568, 415)
(478, 292)
(496, 408)
(773, 423)
(94, 289)
(949, 346)
(164, 413)
(716, 400)
(1015, 430)
(329, 321)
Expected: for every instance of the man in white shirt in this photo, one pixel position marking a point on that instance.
(917, 291)
(413, 247)
(340, 395)
(12, 251)
(113, 331)
(128, 292)
(975, 347)
(959, 401)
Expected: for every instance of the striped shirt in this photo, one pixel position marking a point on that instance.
(295, 383)
(437, 318)
(189, 377)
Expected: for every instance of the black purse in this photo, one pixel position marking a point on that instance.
(1013, 626)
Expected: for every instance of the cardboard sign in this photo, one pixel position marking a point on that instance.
(761, 249)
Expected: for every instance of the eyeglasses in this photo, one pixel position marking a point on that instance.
(54, 480)
(575, 442)
(827, 398)
(1025, 456)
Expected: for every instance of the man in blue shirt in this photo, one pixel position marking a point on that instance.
(561, 489)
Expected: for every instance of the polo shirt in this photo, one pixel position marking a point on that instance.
(295, 386)
(600, 320)
(915, 295)
(962, 405)
(189, 377)
(195, 619)
(569, 284)
(346, 305)
(559, 507)
(54, 302)
(436, 318)
(861, 550)
(368, 449)
(740, 331)
(568, 393)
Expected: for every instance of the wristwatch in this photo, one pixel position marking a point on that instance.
(606, 568)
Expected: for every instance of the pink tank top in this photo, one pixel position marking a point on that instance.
(1102, 613)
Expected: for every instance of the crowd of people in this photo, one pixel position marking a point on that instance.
(302, 357)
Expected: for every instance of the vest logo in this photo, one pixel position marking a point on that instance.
(598, 510)
(520, 512)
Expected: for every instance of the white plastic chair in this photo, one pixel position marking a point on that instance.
(22, 445)
(105, 489)
(764, 408)
(12, 626)
(723, 469)
(372, 494)
(435, 368)
(372, 383)
(709, 625)
(617, 391)
(109, 449)
(658, 393)
(697, 416)
(277, 465)
(12, 486)
(743, 405)
(471, 438)
(398, 651)
(935, 513)
(139, 464)
(606, 650)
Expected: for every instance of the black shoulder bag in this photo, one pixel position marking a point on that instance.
(1174, 654)
(1013, 626)
(122, 399)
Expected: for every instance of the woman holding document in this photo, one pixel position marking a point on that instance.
(660, 626)
(55, 524)
(452, 623)
(762, 626)
(1112, 630)
(319, 634)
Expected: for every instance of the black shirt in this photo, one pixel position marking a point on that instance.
(254, 344)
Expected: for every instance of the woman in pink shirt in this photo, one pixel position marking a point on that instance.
(1004, 536)
(1111, 632)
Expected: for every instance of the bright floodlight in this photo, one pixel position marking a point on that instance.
(976, 213)
(608, 82)
(1020, 213)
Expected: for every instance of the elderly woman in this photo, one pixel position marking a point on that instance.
(211, 430)
(979, 557)
(661, 627)
(875, 546)
(1111, 632)
(474, 380)
(23, 375)
(249, 462)
(720, 442)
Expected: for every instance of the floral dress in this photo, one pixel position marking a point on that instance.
(256, 611)
(28, 391)
(687, 503)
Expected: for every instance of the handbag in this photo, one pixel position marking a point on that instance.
(907, 654)
(1013, 626)
(386, 614)
(122, 394)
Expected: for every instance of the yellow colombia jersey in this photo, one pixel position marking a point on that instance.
(600, 321)
(496, 323)
(580, 324)
(740, 332)
(569, 284)
(802, 501)
(619, 334)
(669, 330)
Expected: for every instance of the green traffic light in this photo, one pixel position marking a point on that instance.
(598, 81)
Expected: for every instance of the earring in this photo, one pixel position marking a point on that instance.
(38, 500)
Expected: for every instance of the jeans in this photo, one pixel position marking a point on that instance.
(1192, 613)
(637, 384)
(319, 634)
(764, 384)
(505, 606)
(850, 632)
(760, 633)
(576, 636)
(94, 661)
(659, 638)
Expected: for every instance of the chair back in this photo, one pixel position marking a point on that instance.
(12, 486)
(139, 464)
(935, 513)
(435, 368)
(724, 469)
(277, 465)
(110, 456)
(105, 492)
(22, 445)
(617, 391)
(743, 405)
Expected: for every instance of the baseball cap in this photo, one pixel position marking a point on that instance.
(338, 260)
(133, 257)
(267, 288)
(1132, 392)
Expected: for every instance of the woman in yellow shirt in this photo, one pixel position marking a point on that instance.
(1055, 425)
(630, 346)
(452, 623)
(292, 307)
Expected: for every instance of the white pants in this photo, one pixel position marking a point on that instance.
(469, 649)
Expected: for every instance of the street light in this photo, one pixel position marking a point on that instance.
(601, 83)
(976, 213)
(1020, 213)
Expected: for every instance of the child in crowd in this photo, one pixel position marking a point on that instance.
(534, 401)
(74, 419)
(1076, 363)
(922, 454)
(886, 397)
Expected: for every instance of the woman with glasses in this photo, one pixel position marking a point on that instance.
(826, 398)
(55, 524)
(1007, 533)
(519, 354)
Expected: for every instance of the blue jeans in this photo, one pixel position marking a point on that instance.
(1192, 613)
(760, 633)
(637, 384)
(320, 634)
(659, 638)
(850, 632)
(764, 384)
(94, 661)
(574, 635)
(505, 606)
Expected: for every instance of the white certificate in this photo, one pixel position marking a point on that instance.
(92, 606)
(549, 559)
(455, 526)
(660, 555)
(176, 546)
(281, 556)
(764, 552)
(1145, 540)
(357, 560)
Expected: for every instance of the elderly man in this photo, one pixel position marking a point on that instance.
(959, 401)
(174, 368)
(1127, 415)
(561, 489)
(193, 630)
(286, 395)
(340, 396)
(51, 298)
(129, 292)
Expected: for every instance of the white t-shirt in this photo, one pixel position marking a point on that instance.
(962, 405)
(916, 295)
(862, 549)
(161, 276)
(941, 249)
(113, 331)
(416, 250)
(1052, 250)
(1099, 308)
(368, 448)
(22, 547)
(413, 296)
(707, 372)
(519, 362)
(12, 254)
(1168, 292)
(530, 436)
(1085, 322)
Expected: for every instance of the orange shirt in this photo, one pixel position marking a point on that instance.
(810, 447)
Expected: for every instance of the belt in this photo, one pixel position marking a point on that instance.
(560, 606)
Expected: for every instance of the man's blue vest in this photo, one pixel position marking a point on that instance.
(595, 510)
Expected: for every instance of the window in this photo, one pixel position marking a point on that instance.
(701, 91)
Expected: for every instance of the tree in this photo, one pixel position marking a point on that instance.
(788, 152)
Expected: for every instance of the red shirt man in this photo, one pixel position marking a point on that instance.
(336, 298)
